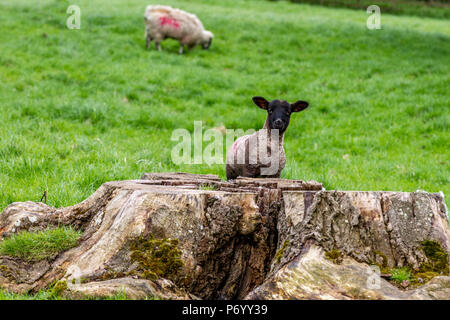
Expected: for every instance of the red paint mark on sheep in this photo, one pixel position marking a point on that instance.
(169, 21)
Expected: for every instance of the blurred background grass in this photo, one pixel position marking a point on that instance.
(424, 8)
(82, 107)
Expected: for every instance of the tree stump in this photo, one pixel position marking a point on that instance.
(247, 238)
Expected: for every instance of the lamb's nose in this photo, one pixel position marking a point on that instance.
(278, 123)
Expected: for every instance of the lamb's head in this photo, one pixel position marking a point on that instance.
(206, 39)
(279, 111)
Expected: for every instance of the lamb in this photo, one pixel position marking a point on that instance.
(261, 154)
(162, 22)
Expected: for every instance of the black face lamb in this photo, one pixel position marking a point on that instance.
(262, 154)
(279, 111)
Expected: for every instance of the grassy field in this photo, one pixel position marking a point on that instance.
(82, 107)
(436, 9)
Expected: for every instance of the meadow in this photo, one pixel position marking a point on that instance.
(425, 8)
(83, 107)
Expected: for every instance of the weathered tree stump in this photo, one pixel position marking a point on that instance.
(248, 238)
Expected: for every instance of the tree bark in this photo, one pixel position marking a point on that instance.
(247, 238)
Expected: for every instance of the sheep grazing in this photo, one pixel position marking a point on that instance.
(162, 22)
(261, 154)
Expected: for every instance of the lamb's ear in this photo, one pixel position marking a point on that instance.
(261, 102)
(299, 106)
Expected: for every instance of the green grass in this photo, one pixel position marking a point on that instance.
(35, 246)
(82, 107)
(49, 295)
(400, 274)
(439, 9)
(41, 295)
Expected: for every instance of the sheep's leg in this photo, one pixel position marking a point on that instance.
(231, 172)
(158, 45)
(251, 171)
(180, 51)
(148, 40)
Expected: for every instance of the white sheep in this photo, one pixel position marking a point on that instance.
(162, 22)
(261, 154)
